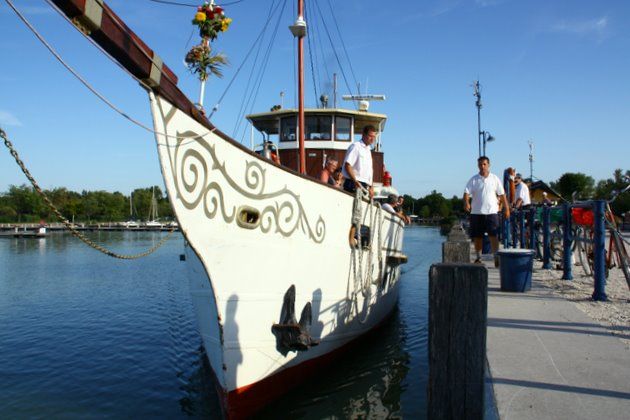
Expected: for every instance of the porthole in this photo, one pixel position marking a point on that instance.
(248, 217)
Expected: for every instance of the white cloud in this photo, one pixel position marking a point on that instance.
(489, 3)
(433, 9)
(6, 118)
(597, 26)
(444, 6)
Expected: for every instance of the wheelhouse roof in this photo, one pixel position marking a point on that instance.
(268, 122)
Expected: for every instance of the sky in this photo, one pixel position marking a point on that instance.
(556, 73)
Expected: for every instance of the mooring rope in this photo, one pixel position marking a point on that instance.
(362, 275)
(65, 221)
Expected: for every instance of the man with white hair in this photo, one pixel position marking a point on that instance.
(522, 193)
(327, 174)
(392, 200)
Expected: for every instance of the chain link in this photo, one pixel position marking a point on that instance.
(65, 221)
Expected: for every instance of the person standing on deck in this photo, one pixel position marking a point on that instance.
(522, 193)
(390, 206)
(327, 176)
(338, 177)
(357, 165)
(485, 189)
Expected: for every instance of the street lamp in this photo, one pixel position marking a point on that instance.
(477, 93)
(487, 138)
(483, 136)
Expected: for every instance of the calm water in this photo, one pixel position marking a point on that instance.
(83, 335)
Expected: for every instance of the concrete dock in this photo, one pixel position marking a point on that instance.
(549, 360)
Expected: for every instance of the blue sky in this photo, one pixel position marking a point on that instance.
(555, 72)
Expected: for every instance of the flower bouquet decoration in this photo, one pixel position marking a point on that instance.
(211, 20)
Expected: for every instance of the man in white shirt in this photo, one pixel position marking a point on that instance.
(485, 189)
(357, 165)
(522, 193)
(388, 206)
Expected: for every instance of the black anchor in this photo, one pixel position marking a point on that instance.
(290, 334)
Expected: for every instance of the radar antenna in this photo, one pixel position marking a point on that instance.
(531, 160)
(364, 100)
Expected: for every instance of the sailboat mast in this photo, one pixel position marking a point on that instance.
(301, 89)
(298, 29)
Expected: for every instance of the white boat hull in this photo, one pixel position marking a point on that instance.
(239, 271)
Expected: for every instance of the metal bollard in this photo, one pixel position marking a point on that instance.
(514, 230)
(567, 273)
(599, 249)
(506, 232)
(546, 213)
(521, 228)
(532, 229)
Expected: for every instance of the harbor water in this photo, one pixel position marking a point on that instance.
(83, 335)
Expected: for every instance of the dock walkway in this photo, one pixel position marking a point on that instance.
(549, 360)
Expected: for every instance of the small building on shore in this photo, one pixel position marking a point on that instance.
(536, 190)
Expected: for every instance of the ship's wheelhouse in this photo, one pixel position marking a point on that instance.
(327, 132)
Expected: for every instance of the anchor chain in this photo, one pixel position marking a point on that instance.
(65, 221)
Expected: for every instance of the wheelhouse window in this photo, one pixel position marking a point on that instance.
(342, 128)
(318, 127)
(287, 128)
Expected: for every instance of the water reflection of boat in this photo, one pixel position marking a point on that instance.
(266, 243)
(366, 382)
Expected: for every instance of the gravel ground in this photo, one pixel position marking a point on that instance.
(614, 314)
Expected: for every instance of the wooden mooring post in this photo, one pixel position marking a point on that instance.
(457, 247)
(458, 312)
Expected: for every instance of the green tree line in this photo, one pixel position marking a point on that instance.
(22, 204)
(434, 205)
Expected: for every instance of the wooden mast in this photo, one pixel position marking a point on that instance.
(300, 37)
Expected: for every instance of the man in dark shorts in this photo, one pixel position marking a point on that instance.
(485, 189)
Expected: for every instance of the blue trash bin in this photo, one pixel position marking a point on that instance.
(515, 268)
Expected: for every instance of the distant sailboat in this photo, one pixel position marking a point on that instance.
(131, 223)
(153, 222)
